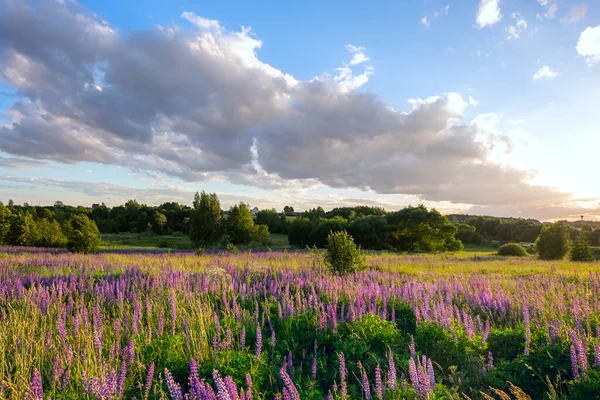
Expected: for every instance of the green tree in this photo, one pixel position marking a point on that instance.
(581, 250)
(420, 229)
(272, 219)
(371, 232)
(82, 234)
(4, 222)
(343, 256)
(261, 235)
(50, 234)
(299, 232)
(240, 225)
(553, 241)
(159, 223)
(23, 230)
(205, 221)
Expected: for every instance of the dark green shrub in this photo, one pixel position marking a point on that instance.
(82, 234)
(512, 250)
(553, 241)
(581, 250)
(343, 256)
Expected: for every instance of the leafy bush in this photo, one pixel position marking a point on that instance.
(82, 234)
(343, 256)
(553, 242)
(581, 250)
(512, 250)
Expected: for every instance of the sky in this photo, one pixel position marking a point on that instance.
(475, 106)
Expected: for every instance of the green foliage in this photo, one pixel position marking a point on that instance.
(5, 214)
(321, 228)
(370, 232)
(50, 234)
(276, 222)
(261, 235)
(468, 234)
(553, 242)
(512, 250)
(420, 229)
(299, 232)
(343, 256)
(23, 230)
(82, 234)
(240, 225)
(580, 251)
(205, 219)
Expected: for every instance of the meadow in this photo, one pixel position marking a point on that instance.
(278, 325)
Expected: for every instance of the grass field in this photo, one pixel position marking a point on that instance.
(125, 241)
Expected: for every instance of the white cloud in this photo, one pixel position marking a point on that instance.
(425, 22)
(472, 101)
(588, 45)
(488, 13)
(545, 73)
(201, 23)
(359, 54)
(576, 14)
(550, 9)
(514, 31)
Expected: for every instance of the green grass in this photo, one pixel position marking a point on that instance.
(279, 241)
(144, 240)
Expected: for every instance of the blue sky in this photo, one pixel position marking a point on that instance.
(453, 95)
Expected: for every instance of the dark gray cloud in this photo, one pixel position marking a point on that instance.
(197, 103)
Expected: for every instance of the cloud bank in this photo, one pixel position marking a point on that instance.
(195, 101)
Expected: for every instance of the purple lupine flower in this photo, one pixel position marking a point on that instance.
(273, 341)
(343, 376)
(597, 354)
(258, 341)
(56, 370)
(403, 382)
(174, 388)
(527, 327)
(231, 388)
(413, 375)
(378, 382)
(173, 313)
(161, 322)
(486, 332)
(36, 385)
(313, 373)
(194, 379)
(490, 363)
(243, 338)
(365, 382)
(222, 391)
(122, 379)
(149, 379)
(574, 363)
(412, 348)
(329, 396)
(289, 385)
(392, 373)
(430, 373)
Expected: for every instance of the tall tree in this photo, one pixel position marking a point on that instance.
(240, 225)
(553, 242)
(205, 219)
(4, 222)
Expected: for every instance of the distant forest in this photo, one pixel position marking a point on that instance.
(411, 229)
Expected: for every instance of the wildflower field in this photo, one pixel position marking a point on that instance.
(278, 325)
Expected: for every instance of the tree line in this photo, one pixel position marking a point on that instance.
(28, 226)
